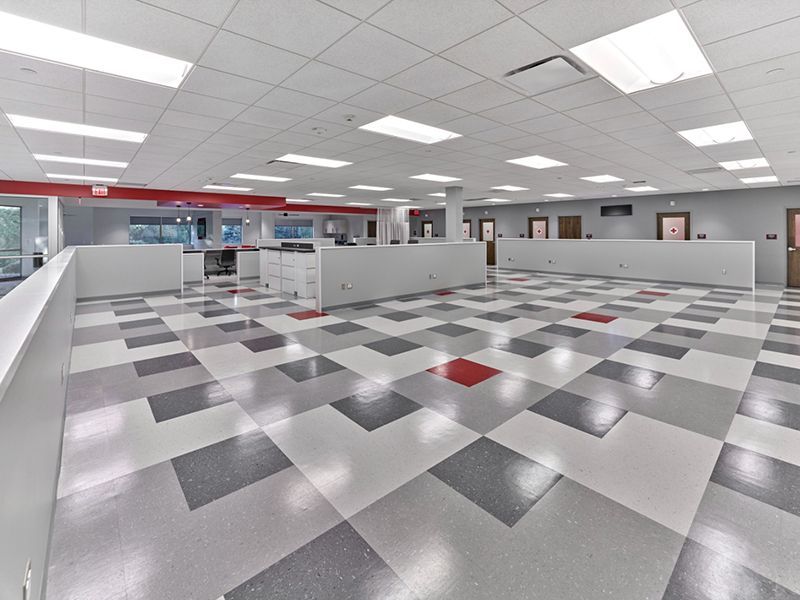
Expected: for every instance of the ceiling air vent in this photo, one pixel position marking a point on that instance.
(546, 74)
(704, 170)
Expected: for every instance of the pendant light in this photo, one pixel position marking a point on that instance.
(178, 218)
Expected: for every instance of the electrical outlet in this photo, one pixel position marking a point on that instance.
(623, 265)
(724, 271)
(510, 259)
(552, 261)
(434, 276)
(344, 286)
(349, 286)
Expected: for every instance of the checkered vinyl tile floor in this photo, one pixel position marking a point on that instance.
(540, 437)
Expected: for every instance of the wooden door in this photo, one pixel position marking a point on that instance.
(427, 229)
(467, 228)
(793, 247)
(537, 228)
(674, 226)
(569, 228)
(487, 235)
(372, 229)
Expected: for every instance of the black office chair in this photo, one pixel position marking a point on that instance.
(394, 242)
(211, 263)
(413, 241)
(227, 261)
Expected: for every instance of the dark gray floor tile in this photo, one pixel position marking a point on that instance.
(784, 316)
(217, 312)
(400, 316)
(564, 330)
(343, 328)
(762, 407)
(531, 307)
(392, 346)
(481, 299)
(226, 284)
(643, 378)
(522, 347)
(220, 469)
(496, 317)
(160, 364)
(141, 323)
(510, 294)
(337, 564)
(719, 309)
(640, 299)
(278, 305)
(703, 574)
(582, 294)
(267, 343)
(560, 299)
(762, 477)
(581, 413)
(787, 374)
(503, 483)
(365, 306)
(687, 316)
(375, 407)
(239, 325)
(619, 307)
(122, 312)
(452, 330)
(445, 306)
(203, 303)
(684, 331)
(411, 299)
(151, 340)
(177, 403)
(127, 303)
(782, 347)
(721, 298)
(309, 368)
(668, 350)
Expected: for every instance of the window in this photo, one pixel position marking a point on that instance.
(10, 241)
(231, 231)
(294, 229)
(158, 230)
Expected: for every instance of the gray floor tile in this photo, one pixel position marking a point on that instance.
(565, 330)
(618, 307)
(451, 330)
(786, 348)
(503, 483)
(161, 364)
(151, 340)
(522, 347)
(267, 343)
(122, 312)
(218, 312)
(584, 414)
(787, 374)
(309, 368)
(683, 331)
(400, 316)
(375, 407)
(215, 471)
(687, 316)
(343, 328)
(179, 402)
(239, 325)
(530, 307)
(658, 348)
(392, 346)
(445, 306)
(496, 317)
(764, 408)
(140, 323)
(643, 378)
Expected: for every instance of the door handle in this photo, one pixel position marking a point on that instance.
(791, 249)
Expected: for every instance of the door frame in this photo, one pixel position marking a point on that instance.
(660, 217)
(546, 226)
(580, 235)
(493, 241)
(790, 212)
(423, 228)
(469, 222)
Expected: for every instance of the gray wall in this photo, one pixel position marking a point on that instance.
(723, 215)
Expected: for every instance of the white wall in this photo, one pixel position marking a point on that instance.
(704, 262)
(378, 272)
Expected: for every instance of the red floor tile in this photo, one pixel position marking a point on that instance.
(241, 291)
(307, 314)
(650, 293)
(597, 318)
(464, 371)
(519, 279)
(444, 293)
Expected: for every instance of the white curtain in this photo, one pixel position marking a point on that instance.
(392, 225)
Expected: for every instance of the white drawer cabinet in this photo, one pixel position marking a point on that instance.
(289, 272)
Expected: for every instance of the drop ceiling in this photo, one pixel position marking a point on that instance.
(301, 76)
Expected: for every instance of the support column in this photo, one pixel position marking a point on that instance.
(454, 213)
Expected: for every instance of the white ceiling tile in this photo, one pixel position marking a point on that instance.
(62, 13)
(692, 122)
(369, 51)
(190, 121)
(358, 8)
(481, 96)
(39, 94)
(546, 123)
(625, 122)
(348, 116)
(781, 90)
(514, 112)
(206, 105)
(703, 106)
(714, 20)
(435, 77)
(328, 82)
(432, 113)
(210, 82)
(439, 24)
(110, 106)
(675, 93)
(108, 86)
(41, 111)
(386, 99)
(213, 13)
(46, 73)
(296, 103)
(268, 118)
(303, 26)
(520, 6)
(242, 56)
(761, 73)
(469, 124)
(578, 94)
(754, 46)
(499, 134)
(509, 45)
(603, 110)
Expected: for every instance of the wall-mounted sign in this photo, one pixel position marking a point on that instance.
(701, 236)
(98, 189)
(772, 236)
(201, 228)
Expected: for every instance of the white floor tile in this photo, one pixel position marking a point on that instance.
(773, 440)
(115, 352)
(235, 359)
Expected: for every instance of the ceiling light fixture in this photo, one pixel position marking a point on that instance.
(510, 188)
(601, 178)
(441, 204)
(748, 163)
(438, 195)
(55, 44)
(496, 200)
(395, 200)
(437, 178)
(725, 133)
(121, 135)
(764, 179)
(260, 177)
(82, 177)
(649, 54)
(536, 162)
(313, 161)
(297, 200)
(228, 188)
(359, 204)
(80, 161)
(371, 188)
(324, 195)
(409, 130)
(642, 188)
(559, 195)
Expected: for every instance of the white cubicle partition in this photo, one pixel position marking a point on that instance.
(247, 264)
(370, 273)
(720, 263)
(193, 266)
(128, 269)
(261, 242)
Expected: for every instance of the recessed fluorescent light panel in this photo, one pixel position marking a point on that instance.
(23, 122)
(725, 133)
(359, 204)
(395, 200)
(496, 200)
(642, 188)
(55, 44)
(559, 195)
(227, 188)
(297, 200)
(409, 130)
(764, 179)
(323, 195)
(82, 177)
(370, 188)
(260, 177)
(437, 178)
(654, 52)
(748, 163)
(537, 162)
(510, 188)
(441, 204)
(313, 161)
(80, 161)
(601, 178)
(438, 195)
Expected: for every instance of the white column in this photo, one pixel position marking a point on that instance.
(454, 213)
(55, 226)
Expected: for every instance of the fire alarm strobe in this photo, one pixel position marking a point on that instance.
(98, 189)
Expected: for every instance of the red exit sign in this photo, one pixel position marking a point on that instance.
(99, 190)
